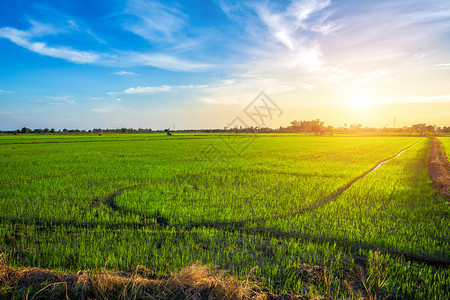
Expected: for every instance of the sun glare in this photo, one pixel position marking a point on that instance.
(361, 100)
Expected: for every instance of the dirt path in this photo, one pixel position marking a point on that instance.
(439, 168)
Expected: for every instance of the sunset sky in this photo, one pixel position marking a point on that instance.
(198, 64)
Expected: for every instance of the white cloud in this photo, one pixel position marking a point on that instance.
(113, 108)
(228, 81)
(39, 29)
(56, 100)
(370, 76)
(419, 99)
(103, 110)
(289, 55)
(23, 39)
(74, 26)
(163, 61)
(219, 100)
(148, 89)
(27, 40)
(154, 21)
(124, 73)
(227, 8)
(162, 88)
(287, 25)
(442, 66)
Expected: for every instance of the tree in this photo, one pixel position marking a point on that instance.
(430, 129)
(421, 128)
(317, 127)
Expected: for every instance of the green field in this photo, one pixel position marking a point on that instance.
(278, 202)
(446, 143)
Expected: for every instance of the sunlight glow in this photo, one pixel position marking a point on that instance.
(361, 100)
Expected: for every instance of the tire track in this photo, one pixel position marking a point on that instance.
(238, 226)
(109, 201)
(354, 247)
(321, 202)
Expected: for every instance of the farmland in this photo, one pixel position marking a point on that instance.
(446, 143)
(281, 203)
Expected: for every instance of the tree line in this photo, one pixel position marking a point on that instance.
(316, 127)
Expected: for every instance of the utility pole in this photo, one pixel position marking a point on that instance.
(394, 121)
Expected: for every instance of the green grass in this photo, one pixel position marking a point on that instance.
(446, 143)
(271, 205)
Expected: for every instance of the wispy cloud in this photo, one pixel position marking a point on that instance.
(288, 51)
(162, 88)
(154, 21)
(24, 39)
(384, 31)
(148, 89)
(32, 39)
(113, 108)
(163, 61)
(442, 66)
(56, 100)
(75, 26)
(103, 110)
(286, 26)
(125, 73)
(419, 99)
(374, 75)
(122, 58)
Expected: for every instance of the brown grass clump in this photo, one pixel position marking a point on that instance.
(439, 168)
(194, 282)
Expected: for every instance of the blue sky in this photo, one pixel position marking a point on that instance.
(197, 64)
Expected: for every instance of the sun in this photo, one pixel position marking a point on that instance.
(361, 100)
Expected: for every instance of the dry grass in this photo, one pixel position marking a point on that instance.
(194, 282)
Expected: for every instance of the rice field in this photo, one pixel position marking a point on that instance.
(269, 207)
(446, 143)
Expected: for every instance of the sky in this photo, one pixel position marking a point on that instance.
(202, 64)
